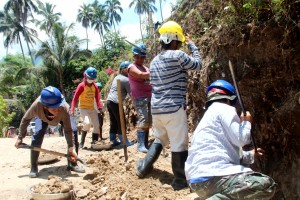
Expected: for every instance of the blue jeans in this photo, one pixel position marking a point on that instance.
(41, 129)
(249, 185)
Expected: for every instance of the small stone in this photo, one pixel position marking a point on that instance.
(82, 193)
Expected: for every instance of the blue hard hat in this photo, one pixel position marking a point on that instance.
(220, 89)
(99, 84)
(124, 64)
(51, 97)
(221, 84)
(91, 73)
(140, 50)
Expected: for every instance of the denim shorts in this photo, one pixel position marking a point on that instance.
(143, 109)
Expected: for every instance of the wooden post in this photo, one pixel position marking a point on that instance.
(121, 112)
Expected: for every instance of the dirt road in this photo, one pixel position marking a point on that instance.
(106, 171)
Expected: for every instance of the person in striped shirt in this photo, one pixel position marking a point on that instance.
(87, 92)
(168, 77)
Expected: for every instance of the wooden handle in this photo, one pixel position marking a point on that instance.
(121, 112)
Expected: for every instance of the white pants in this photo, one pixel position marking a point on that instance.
(88, 117)
(172, 129)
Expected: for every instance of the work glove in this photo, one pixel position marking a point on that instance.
(73, 155)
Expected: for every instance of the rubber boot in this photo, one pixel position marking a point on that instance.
(178, 160)
(145, 165)
(113, 139)
(141, 141)
(83, 135)
(95, 138)
(146, 139)
(127, 142)
(74, 167)
(34, 156)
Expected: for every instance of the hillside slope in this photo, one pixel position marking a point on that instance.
(264, 47)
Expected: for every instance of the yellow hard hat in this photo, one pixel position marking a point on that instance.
(173, 28)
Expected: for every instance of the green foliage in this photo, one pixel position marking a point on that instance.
(5, 118)
(14, 106)
(10, 66)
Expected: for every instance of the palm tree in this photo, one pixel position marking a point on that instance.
(100, 21)
(112, 6)
(47, 11)
(22, 9)
(12, 29)
(85, 14)
(56, 58)
(142, 7)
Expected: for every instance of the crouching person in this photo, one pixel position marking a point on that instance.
(50, 108)
(216, 164)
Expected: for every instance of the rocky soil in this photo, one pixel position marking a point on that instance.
(107, 175)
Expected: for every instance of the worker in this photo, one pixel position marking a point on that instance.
(113, 104)
(50, 108)
(139, 75)
(217, 166)
(168, 75)
(87, 92)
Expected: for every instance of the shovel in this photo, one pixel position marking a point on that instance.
(26, 146)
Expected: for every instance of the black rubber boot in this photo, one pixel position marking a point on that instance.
(145, 165)
(82, 139)
(178, 160)
(95, 138)
(34, 156)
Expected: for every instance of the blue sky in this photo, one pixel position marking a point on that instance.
(128, 27)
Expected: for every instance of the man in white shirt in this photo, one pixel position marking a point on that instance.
(216, 164)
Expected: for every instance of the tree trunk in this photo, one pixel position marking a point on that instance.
(151, 24)
(87, 39)
(141, 28)
(60, 81)
(162, 19)
(26, 39)
(19, 38)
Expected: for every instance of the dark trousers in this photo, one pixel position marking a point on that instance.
(114, 117)
(100, 118)
(40, 131)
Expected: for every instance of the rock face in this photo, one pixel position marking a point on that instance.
(264, 47)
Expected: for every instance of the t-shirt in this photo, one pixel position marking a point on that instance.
(86, 95)
(125, 88)
(140, 88)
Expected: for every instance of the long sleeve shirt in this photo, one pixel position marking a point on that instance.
(36, 110)
(216, 147)
(168, 77)
(86, 95)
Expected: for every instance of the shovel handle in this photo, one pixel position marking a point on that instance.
(26, 146)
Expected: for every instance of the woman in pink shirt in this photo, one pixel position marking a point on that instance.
(141, 89)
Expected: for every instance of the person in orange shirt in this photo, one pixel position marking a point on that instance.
(87, 92)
